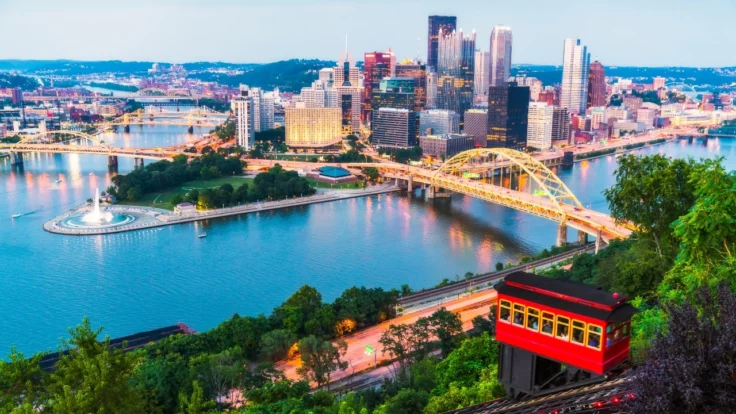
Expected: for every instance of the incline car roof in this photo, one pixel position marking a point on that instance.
(568, 288)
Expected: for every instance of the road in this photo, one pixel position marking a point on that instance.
(468, 307)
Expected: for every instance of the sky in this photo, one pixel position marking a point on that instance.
(618, 33)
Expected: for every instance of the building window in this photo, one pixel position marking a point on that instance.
(518, 314)
(504, 314)
(532, 319)
(578, 332)
(563, 328)
(594, 336)
(548, 323)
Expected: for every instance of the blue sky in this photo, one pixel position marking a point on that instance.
(622, 32)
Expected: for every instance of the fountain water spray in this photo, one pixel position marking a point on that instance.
(96, 216)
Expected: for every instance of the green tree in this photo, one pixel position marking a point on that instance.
(371, 173)
(92, 377)
(22, 383)
(406, 401)
(320, 359)
(301, 307)
(196, 403)
(446, 327)
(464, 365)
(276, 344)
(221, 372)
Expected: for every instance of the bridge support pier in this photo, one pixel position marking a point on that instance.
(191, 129)
(437, 192)
(410, 184)
(138, 162)
(582, 238)
(16, 158)
(562, 234)
(112, 162)
(126, 129)
(598, 241)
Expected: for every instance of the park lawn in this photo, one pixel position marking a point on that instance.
(163, 199)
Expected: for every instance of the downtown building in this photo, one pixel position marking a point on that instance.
(312, 127)
(394, 128)
(596, 85)
(500, 70)
(347, 83)
(417, 71)
(481, 73)
(445, 145)
(455, 66)
(560, 127)
(244, 110)
(508, 110)
(476, 125)
(438, 122)
(396, 93)
(376, 66)
(446, 24)
(575, 65)
(539, 132)
(263, 109)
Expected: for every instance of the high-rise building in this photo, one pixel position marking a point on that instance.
(575, 64)
(658, 83)
(347, 83)
(560, 126)
(327, 76)
(431, 89)
(243, 108)
(319, 95)
(436, 23)
(394, 128)
(481, 72)
(501, 40)
(263, 109)
(597, 117)
(539, 133)
(633, 103)
(16, 96)
(376, 66)
(534, 84)
(596, 85)
(438, 122)
(476, 124)
(417, 71)
(397, 93)
(312, 127)
(455, 66)
(508, 112)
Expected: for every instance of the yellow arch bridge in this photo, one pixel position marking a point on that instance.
(512, 179)
(44, 143)
(198, 117)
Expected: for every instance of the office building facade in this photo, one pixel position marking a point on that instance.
(481, 73)
(417, 71)
(376, 66)
(539, 131)
(312, 127)
(596, 85)
(560, 126)
(435, 24)
(394, 128)
(574, 87)
(508, 110)
(243, 109)
(455, 66)
(438, 122)
(476, 125)
(446, 145)
(501, 40)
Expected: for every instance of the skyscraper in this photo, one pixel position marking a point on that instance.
(500, 71)
(448, 25)
(396, 128)
(438, 122)
(574, 89)
(417, 71)
(481, 72)
(397, 93)
(431, 89)
(455, 66)
(376, 66)
(476, 124)
(347, 83)
(539, 133)
(596, 85)
(312, 127)
(244, 118)
(508, 111)
(560, 126)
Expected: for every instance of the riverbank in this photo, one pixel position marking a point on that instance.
(150, 217)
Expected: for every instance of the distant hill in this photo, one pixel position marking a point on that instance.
(287, 75)
(17, 81)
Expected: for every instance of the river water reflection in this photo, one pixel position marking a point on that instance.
(247, 265)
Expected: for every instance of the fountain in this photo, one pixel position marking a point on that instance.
(96, 216)
(96, 219)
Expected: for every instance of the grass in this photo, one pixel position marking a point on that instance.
(163, 199)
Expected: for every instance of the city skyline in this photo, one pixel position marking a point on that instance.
(297, 30)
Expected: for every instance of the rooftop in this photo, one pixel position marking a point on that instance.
(333, 172)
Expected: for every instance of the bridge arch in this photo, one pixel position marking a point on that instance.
(78, 134)
(555, 190)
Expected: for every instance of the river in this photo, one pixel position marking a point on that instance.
(143, 280)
